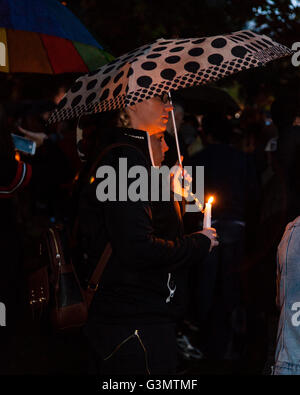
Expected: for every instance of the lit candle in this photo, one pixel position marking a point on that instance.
(207, 213)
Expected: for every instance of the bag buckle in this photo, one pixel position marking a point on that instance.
(93, 287)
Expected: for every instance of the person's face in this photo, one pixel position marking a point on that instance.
(296, 121)
(159, 147)
(151, 115)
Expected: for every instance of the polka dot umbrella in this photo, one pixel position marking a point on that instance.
(163, 66)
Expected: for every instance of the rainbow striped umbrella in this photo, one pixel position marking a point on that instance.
(45, 37)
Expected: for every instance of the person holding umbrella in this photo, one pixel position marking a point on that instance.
(131, 326)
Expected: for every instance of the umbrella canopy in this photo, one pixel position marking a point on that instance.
(45, 37)
(165, 65)
(203, 99)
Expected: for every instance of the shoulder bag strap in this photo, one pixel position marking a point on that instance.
(95, 278)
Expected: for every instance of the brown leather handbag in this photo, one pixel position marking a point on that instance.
(55, 290)
(68, 307)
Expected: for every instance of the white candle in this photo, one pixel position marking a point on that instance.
(207, 214)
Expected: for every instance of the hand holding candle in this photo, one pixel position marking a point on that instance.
(207, 213)
(207, 229)
(181, 184)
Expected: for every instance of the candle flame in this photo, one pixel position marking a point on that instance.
(17, 156)
(211, 199)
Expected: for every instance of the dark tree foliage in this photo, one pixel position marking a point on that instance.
(124, 25)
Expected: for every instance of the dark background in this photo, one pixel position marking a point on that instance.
(121, 26)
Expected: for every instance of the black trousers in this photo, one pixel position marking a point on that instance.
(132, 349)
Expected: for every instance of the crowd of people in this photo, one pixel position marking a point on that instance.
(172, 292)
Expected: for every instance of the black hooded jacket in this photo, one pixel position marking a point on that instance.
(144, 280)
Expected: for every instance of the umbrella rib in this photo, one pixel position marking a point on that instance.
(8, 52)
(80, 55)
(40, 37)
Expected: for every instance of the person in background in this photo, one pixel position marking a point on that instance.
(287, 344)
(193, 138)
(52, 168)
(285, 112)
(186, 350)
(171, 156)
(14, 176)
(217, 296)
(280, 206)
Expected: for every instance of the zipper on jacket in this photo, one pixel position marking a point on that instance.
(58, 258)
(172, 291)
(135, 334)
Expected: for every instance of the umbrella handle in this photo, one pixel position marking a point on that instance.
(198, 204)
(175, 130)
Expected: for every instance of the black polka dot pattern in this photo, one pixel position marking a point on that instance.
(91, 84)
(90, 98)
(105, 81)
(168, 74)
(196, 51)
(159, 49)
(76, 100)
(192, 67)
(130, 72)
(118, 76)
(149, 65)
(76, 87)
(218, 43)
(108, 70)
(104, 95)
(215, 58)
(117, 90)
(153, 56)
(144, 81)
(62, 103)
(176, 49)
(198, 41)
(164, 65)
(173, 59)
(239, 51)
